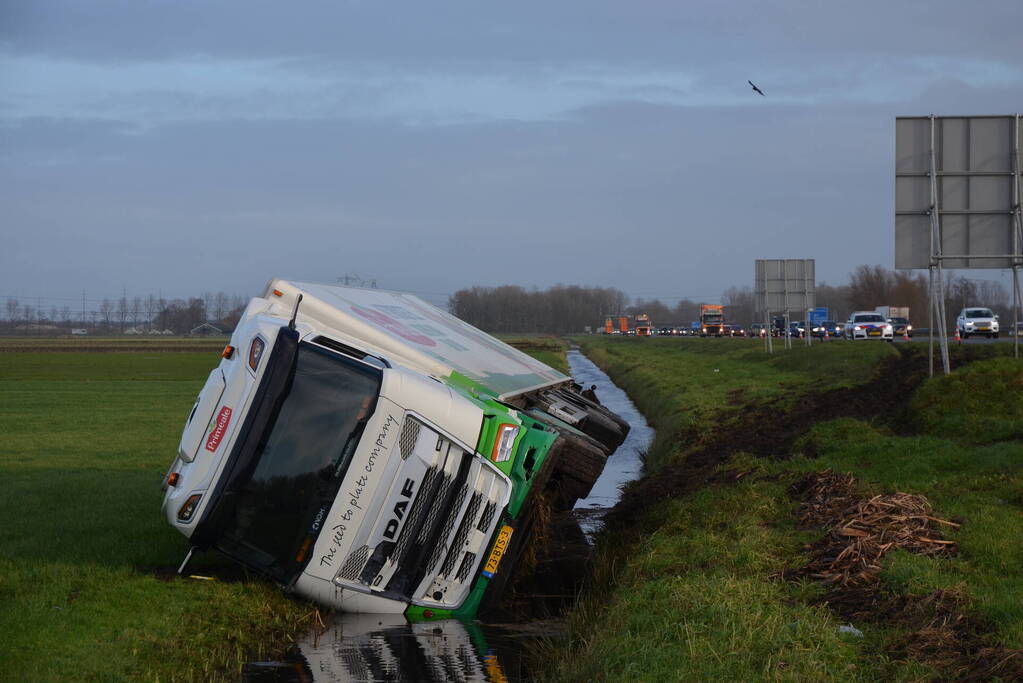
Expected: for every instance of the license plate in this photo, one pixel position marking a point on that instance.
(874, 333)
(984, 329)
(503, 536)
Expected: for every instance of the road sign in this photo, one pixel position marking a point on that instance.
(957, 202)
(957, 184)
(818, 315)
(784, 287)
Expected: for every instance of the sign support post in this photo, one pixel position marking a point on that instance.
(937, 293)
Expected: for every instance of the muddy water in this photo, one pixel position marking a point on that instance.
(626, 464)
(362, 647)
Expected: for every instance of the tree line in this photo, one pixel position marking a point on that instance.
(566, 309)
(126, 314)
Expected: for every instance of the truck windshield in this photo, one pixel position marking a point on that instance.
(302, 457)
(711, 317)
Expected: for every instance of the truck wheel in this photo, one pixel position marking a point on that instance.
(577, 462)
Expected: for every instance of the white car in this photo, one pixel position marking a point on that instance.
(977, 320)
(868, 325)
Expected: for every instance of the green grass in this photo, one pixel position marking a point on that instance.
(684, 386)
(546, 349)
(87, 439)
(692, 591)
(86, 551)
(981, 403)
(980, 486)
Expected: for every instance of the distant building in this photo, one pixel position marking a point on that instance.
(204, 330)
(79, 331)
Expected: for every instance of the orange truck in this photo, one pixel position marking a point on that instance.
(643, 325)
(623, 324)
(712, 320)
(609, 326)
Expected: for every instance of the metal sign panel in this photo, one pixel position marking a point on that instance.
(965, 172)
(818, 315)
(784, 287)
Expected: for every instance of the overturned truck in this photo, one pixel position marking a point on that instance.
(372, 453)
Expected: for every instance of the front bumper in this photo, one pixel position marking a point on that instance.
(872, 334)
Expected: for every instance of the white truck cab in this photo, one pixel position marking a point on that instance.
(337, 450)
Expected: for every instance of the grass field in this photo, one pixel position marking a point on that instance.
(701, 576)
(87, 574)
(127, 343)
(694, 589)
(86, 587)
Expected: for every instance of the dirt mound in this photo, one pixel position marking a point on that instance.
(942, 630)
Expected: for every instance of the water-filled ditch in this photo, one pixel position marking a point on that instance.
(373, 647)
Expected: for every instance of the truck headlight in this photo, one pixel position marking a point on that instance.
(188, 509)
(256, 352)
(504, 442)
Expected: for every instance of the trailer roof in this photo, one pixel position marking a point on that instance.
(430, 339)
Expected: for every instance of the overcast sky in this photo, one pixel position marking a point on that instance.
(187, 146)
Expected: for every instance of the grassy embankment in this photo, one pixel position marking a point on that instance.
(546, 349)
(700, 578)
(87, 590)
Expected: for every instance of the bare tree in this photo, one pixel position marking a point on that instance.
(12, 309)
(136, 311)
(151, 307)
(870, 287)
(221, 306)
(738, 302)
(122, 312)
(106, 312)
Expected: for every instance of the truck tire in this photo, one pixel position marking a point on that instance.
(577, 463)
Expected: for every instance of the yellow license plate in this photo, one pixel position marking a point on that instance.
(503, 536)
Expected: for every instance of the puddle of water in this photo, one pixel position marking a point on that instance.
(375, 647)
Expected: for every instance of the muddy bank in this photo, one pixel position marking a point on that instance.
(941, 629)
(767, 429)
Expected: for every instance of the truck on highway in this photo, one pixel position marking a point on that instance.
(643, 326)
(712, 320)
(372, 453)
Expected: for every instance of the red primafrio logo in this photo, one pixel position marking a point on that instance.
(217, 433)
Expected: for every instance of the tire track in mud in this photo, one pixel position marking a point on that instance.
(765, 430)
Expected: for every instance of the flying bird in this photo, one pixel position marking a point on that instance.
(756, 89)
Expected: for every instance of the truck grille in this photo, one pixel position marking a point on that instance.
(447, 528)
(409, 436)
(353, 566)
